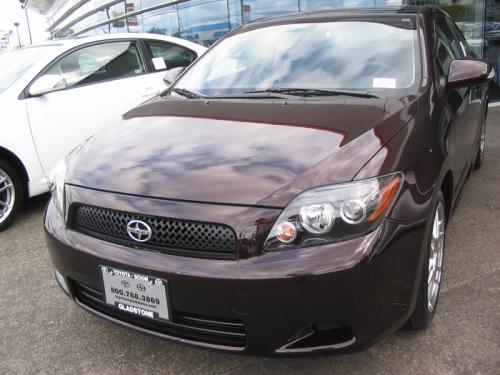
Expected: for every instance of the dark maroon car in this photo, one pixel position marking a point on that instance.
(289, 193)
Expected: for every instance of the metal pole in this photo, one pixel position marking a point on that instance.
(179, 21)
(126, 19)
(50, 21)
(109, 24)
(16, 24)
(8, 39)
(27, 22)
(242, 13)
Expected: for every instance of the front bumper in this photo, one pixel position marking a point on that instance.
(339, 297)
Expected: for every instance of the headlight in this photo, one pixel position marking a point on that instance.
(334, 213)
(57, 178)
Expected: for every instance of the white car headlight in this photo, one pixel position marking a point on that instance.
(334, 213)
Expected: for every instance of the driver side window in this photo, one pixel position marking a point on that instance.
(446, 48)
(98, 63)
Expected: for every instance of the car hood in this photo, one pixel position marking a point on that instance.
(247, 152)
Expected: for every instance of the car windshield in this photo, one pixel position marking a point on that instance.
(375, 55)
(14, 64)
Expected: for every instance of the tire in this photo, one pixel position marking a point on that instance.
(428, 293)
(11, 194)
(478, 162)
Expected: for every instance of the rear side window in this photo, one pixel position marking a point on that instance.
(168, 56)
(98, 63)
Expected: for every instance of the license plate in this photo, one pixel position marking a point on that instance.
(137, 294)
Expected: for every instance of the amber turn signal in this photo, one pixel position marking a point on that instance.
(387, 193)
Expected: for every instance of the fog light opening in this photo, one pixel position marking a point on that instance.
(321, 338)
(62, 282)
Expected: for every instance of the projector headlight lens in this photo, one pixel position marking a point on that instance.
(317, 218)
(334, 213)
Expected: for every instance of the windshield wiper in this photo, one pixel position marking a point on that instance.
(313, 92)
(186, 93)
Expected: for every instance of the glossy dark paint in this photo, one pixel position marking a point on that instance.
(369, 283)
(274, 294)
(257, 152)
(467, 72)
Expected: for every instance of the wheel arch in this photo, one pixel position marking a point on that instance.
(13, 159)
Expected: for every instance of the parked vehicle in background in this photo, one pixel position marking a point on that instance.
(288, 194)
(56, 95)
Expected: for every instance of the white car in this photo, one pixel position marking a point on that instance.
(56, 95)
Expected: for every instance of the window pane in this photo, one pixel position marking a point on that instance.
(173, 56)
(469, 17)
(492, 45)
(443, 46)
(254, 9)
(308, 5)
(329, 55)
(99, 63)
(203, 21)
(445, 32)
(163, 21)
(235, 14)
(14, 64)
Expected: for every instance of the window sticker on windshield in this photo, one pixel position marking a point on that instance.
(159, 63)
(384, 83)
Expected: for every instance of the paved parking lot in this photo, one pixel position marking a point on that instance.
(41, 331)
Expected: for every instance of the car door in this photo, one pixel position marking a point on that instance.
(162, 56)
(457, 101)
(477, 103)
(103, 80)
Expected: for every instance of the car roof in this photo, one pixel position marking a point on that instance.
(75, 42)
(339, 13)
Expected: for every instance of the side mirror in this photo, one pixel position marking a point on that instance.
(46, 84)
(172, 74)
(468, 72)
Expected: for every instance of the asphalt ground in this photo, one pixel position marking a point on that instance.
(42, 331)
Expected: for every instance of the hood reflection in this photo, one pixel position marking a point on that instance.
(228, 161)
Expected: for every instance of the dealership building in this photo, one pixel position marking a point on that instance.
(205, 21)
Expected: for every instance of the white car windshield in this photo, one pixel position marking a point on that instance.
(376, 54)
(14, 64)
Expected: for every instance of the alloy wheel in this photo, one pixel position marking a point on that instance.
(436, 257)
(7, 195)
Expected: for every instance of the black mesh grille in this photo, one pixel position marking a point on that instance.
(170, 236)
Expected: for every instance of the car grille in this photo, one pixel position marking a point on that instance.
(215, 331)
(170, 236)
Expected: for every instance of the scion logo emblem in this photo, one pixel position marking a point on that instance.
(139, 231)
(141, 288)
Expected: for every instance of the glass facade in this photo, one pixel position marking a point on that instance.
(469, 16)
(492, 42)
(206, 21)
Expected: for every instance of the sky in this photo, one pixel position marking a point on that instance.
(10, 12)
